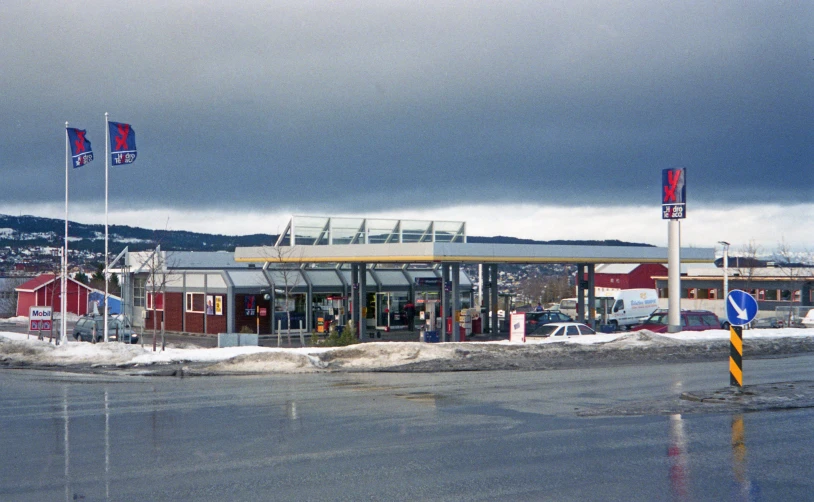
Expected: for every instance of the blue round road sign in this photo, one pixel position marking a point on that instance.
(741, 307)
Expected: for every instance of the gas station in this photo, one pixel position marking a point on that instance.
(389, 263)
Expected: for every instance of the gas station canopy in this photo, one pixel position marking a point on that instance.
(312, 239)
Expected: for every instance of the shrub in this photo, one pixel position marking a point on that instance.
(336, 339)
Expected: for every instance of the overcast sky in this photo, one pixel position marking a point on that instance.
(499, 113)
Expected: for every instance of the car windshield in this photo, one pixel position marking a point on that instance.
(586, 330)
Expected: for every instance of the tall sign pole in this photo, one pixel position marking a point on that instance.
(107, 162)
(63, 296)
(673, 208)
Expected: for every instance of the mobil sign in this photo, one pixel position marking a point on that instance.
(39, 318)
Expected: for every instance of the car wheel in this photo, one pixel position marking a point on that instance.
(725, 325)
(614, 325)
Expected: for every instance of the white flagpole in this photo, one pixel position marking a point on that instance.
(63, 301)
(107, 160)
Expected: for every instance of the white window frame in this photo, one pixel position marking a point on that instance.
(190, 302)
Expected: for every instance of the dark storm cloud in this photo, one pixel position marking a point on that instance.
(380, 105)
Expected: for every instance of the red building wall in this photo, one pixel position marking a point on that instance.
(176, 318)
(174, 311)
(640, 277)
(48, 295)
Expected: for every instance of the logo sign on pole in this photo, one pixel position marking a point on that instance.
(517, 332)
(39, 318)
(741, 307)
(673, 194)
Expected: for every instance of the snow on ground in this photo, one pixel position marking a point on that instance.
(15, 320)
(17, 349)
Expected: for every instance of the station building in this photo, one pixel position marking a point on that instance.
(346, 269)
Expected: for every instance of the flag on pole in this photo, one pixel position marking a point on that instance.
(81, 152)
(122, 143)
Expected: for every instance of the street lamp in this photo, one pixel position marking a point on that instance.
(726, 267)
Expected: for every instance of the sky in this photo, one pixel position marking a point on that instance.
(535, 119)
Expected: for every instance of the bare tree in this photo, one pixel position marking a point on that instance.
(155, 265)
(288, 268)
(747, 261)
(792, 265)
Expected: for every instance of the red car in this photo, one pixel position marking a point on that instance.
(691, 320)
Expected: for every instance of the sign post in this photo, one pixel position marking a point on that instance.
(39, 319)
(673, 208)
(517, 331)
(741, 309)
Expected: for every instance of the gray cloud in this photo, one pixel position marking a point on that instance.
(364, 105)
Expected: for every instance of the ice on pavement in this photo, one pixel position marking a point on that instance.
(18, 349)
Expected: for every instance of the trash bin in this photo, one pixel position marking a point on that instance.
(431, 337)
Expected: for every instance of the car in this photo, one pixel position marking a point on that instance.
(766, 322)
(691, 320)
(118, 327)
(536, 319)
(562, 329)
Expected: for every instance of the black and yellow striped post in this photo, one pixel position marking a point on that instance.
(736, 356)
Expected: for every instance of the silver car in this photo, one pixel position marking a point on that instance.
(118, 328)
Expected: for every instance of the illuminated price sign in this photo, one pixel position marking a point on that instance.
(673, 194)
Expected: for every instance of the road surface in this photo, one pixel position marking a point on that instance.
(498, 435)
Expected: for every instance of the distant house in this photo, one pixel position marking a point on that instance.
(44, 291)
(610, 278)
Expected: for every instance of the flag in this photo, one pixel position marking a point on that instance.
(81, 152)
(122, 143)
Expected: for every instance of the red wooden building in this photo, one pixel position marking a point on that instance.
(44, 291)
(617, 276)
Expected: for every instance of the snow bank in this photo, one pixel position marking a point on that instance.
(18, 349)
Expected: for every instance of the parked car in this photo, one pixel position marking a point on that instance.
(556, 329)
(691, 320)
(118, 327)
(765, 322)
(808, 320)
(535, 320)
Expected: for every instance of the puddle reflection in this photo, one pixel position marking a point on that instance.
(679, 459)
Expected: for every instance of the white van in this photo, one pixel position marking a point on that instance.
(568, 306)
(633, 306)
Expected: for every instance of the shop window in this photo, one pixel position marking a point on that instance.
(155, 301)
(760, 294)
(692, 293)
(713, 294)
(195, 302)
(771, 295)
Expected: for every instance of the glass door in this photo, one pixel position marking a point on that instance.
(382, 311)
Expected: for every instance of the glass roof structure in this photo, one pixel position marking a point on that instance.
(326, 231)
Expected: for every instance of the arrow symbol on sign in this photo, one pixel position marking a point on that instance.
(741, 312)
